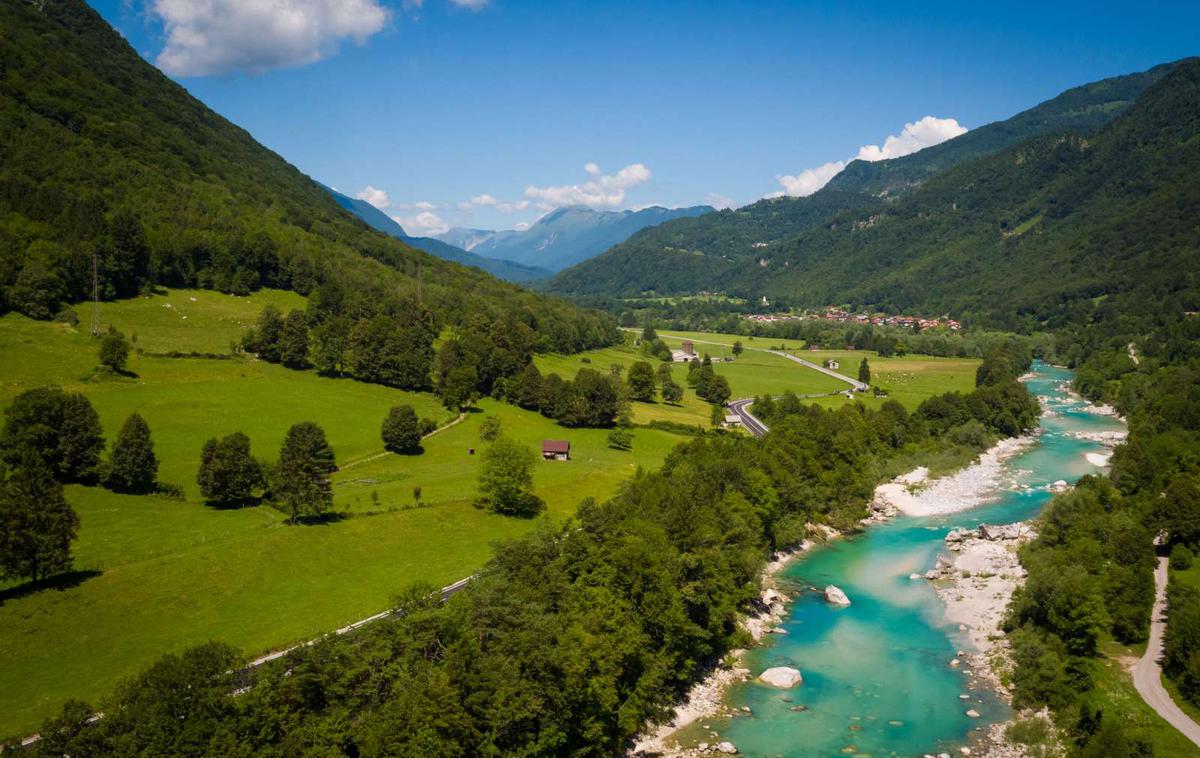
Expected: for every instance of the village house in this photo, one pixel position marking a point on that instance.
(556, 450)
(832, 364)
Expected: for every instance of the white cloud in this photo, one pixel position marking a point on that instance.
(521, 226)
(375, 197)
(486, 200)
(916, 136)
(719, 201)
(810, 180)
(600, 191)
(215, 37)
(473, 5)
(422, 224)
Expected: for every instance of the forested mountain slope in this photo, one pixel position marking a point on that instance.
(378, 220)
(1040, 233)
(102, 154)
(1080, 109)
(692, 255)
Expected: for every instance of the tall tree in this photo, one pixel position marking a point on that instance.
(641, 382)
(506, 479)
(672, 392)
(62, 428)
(864, 371)
(264, 337)
(648, 333)
(737, 348)
(228, 472)
(401, 431)
(530, 395)
(37, 524)
(132, 465)
(293, 341)
(302, 478)
(114, 351)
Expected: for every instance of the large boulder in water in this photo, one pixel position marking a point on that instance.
(834, 596)
(783, 677)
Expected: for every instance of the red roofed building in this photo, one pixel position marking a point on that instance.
(556, 450)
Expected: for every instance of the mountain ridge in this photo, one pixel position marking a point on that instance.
(565, 236)
(380, 221)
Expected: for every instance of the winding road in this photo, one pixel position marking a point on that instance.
(1147, 673)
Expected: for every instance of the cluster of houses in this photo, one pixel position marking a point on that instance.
(878, 319)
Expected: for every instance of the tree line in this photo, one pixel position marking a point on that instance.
(1090, 570)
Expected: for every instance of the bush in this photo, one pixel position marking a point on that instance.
(1181, 558)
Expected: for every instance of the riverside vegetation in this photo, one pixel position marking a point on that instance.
(572, 636)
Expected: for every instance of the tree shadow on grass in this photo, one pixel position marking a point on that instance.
(233, 505)
(333, 517)
(64, 581)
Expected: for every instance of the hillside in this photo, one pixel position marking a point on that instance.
(566, 236)
(102, 154)
(380, 221)
(1080, 110)
(724, 245)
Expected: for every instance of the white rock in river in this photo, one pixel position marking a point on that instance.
(973, 713)
(835, 596)
(726, 747)
(783, 677)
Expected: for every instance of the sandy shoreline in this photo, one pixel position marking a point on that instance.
(976, 584)
(912, 495)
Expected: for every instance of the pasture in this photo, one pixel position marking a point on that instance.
(154, 575)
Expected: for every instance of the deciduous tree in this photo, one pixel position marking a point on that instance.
(401, 430)
(37, 524)
(302, 477)
(506, 479)
(132, 465)
(641, 382)
(228, 472)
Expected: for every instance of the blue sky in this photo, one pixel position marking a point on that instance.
(435, 103)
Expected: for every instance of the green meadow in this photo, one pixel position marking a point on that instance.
(155, 575)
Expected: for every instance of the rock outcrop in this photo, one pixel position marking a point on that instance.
(835, 596)
(782, 677)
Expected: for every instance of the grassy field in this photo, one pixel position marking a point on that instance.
(156, 575)
(754, 373)
(908, 379)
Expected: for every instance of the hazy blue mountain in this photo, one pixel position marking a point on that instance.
(565, 236)
(377, 219)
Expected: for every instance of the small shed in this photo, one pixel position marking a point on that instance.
(832, 364)
(556, 450)
(732, 420)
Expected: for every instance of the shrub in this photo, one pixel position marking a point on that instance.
(1181, 558)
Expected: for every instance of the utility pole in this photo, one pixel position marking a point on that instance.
(95, 295)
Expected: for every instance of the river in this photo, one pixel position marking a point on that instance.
(876, 675)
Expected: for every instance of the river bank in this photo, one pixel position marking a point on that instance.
(706, 699)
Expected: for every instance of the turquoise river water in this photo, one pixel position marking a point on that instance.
(876, 675)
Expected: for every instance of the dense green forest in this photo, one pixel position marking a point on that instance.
(571, 637)
(1041, 234)
(104, 158)
(1090, 567)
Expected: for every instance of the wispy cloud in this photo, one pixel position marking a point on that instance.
(374, 196)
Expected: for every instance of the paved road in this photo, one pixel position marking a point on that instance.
(857, 385)
(741, 409)
(1147, 674)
